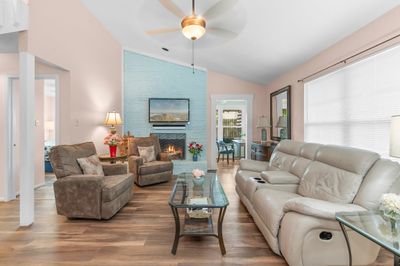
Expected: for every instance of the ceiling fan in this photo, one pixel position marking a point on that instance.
(193, 26)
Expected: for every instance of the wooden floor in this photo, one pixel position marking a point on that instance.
(140, 234)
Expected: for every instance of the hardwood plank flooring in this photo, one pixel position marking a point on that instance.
(140, 234)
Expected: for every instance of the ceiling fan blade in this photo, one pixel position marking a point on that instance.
(161, 31)
(226, 34)
(171, 7)
(219, 8)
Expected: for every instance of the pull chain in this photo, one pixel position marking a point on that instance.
(193, 56)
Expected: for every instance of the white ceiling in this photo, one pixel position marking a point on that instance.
(274, 35)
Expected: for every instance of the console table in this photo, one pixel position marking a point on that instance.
(262, 150)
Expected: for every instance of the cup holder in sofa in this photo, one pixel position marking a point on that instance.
(257, 178)
(261, 181)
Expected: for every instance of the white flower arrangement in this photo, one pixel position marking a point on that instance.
(390, 205)
(197, 173)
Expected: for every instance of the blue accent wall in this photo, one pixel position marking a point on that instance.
(146, 77)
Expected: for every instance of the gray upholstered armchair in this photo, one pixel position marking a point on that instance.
(153, 172)
(88, 196)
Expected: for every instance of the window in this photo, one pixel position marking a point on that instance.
(353, 106)
(232, 124)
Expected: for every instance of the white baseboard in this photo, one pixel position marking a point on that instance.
(36, 187)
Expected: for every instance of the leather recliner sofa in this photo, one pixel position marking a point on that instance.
(293, 198)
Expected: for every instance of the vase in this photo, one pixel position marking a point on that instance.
(195, 158)
(113, 151)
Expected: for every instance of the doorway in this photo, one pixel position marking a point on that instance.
(46, 88)
(232, 117)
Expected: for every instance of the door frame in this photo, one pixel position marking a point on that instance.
(9, 178)
(248, 98)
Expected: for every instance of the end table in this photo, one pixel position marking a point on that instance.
(112, 160)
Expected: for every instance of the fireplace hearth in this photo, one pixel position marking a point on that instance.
(174, 144)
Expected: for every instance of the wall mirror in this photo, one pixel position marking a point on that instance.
(280, 114)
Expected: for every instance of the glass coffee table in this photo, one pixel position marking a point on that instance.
(374, 226)
(196, 200)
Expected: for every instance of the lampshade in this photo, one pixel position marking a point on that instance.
(113, 119)
(193, 27)
(395, 136)
(263, 122)
(282, 122)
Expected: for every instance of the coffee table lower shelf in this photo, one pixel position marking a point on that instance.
(198, 227)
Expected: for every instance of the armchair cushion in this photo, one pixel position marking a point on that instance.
(319, 208)
(155, 167)
(280, 177)
(147, 153)
(115, 186)
(114, 169)
(91, 165)
(64, 158)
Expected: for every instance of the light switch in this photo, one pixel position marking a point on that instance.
(76, 123)
(37, 123)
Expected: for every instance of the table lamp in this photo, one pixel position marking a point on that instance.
(282, 124)
(263, 123)
(113, 119)
(395, 136)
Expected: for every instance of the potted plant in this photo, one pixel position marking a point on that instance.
(113, 140)
(195, 149)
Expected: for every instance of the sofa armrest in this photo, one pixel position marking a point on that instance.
(79, 196)
(164, 156)
(280, 177)
(319, 208)
(114, 169)
(134, 163)
(252, 165)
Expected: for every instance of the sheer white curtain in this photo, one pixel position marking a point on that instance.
(353, 105)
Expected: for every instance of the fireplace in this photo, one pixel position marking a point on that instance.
(174, 144)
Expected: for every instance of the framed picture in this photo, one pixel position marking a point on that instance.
(280, 114)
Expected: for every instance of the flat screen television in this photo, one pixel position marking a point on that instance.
(169, 110)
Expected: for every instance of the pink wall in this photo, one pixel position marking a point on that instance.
(219, 84)
(70, 37)
(379, 30)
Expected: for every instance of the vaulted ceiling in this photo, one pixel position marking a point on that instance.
(273, 36)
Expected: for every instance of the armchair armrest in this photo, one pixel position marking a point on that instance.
(252, 165)
(79, 196)
(134, 163)
(319, 208)
(164, 156)
(114, 169)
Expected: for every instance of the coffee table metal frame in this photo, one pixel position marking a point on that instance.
(215, 189)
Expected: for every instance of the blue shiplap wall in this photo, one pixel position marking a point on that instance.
(146, 77)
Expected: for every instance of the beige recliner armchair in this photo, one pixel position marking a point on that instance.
(149, 173)
(294, 197)
(88, 196)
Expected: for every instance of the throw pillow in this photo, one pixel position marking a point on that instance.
(147, 153)
(91, 165)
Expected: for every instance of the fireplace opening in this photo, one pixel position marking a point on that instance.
(174, 144)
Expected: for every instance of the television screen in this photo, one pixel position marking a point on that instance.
(169, 110)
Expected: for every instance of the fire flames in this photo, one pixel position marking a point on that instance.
(171, 149)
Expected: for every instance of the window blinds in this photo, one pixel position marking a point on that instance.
(353, 106)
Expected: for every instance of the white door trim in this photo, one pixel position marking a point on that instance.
(9, 188)
(249, 105)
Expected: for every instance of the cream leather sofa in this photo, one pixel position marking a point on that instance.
(294, 197)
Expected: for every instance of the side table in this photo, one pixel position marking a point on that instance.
(112, 160)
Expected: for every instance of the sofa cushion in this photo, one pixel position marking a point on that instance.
(282, 161)
(63, 158)
(268, 203)
(381, 178)
(115, 186)
(325, 182)
(279, 177)
(242, 176)
(91, 165)
(299, 166)
(155, 167)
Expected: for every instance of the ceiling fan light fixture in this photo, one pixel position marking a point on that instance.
(193, 27)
